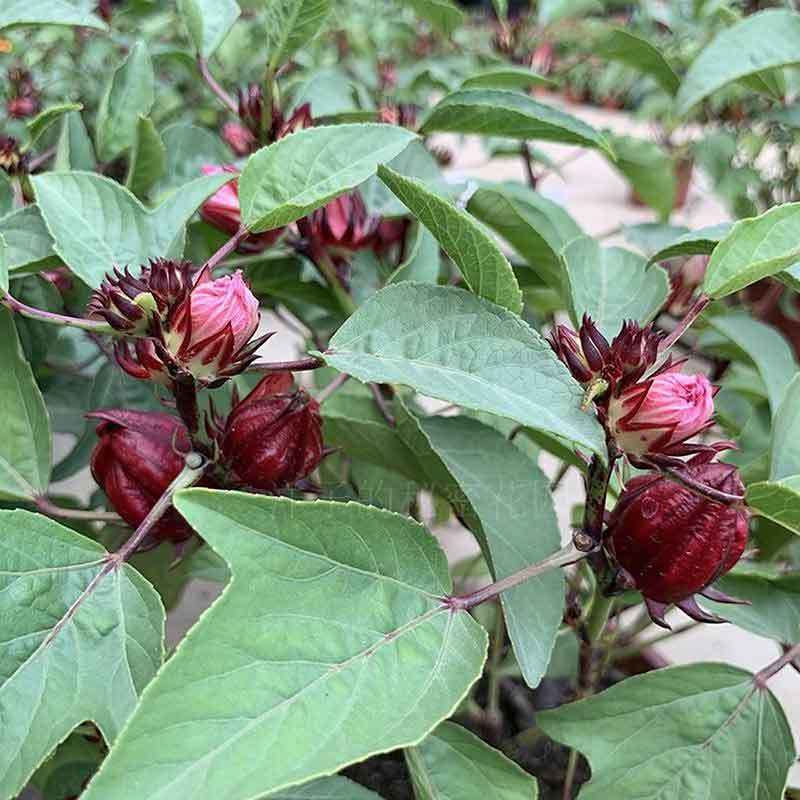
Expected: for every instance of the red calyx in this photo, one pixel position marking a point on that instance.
(273, 438)
(138, 455)
(672, 542)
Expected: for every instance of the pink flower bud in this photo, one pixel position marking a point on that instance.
(343, 223)
(659, 414)
(239, 138)
(222, 210)
(21, 107)
(212, 326)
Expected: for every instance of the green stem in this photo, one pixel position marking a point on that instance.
(495, 657)
(598, 615)
(569, 778)
(328, 270)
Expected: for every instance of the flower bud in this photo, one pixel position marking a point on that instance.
(212, 327)
(343, 223)
(138, 455)
(22, 107)
(12, 160)
(23, 97)
(673, 542)
(389, 233)
(239, 138)
(273, 438)
(659, 414)
(222, 210)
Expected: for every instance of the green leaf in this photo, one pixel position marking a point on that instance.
(302, 172)
(650, 237)
(128, 96)
(63, 660)
(189, 148)
(785, 459)
(208, 22)
(493, 112)
(511, 498)
(774, 609)
(27, 239)
(612, 285)
(334, 787)
(66, 771)
(758, 42)
(25, 443)
(551, 11)
(506, 77)
(421, 264)
(6, 194)
(74, 149)
(452, 762)
(778, 501)
(50, 12)
(765, 347)
(699, 242)
(44, 119)
(443, 15)
(649, 169)
(534, 226)
(148, 159)
(449, 344)
(98, 224)
(366, 585)
(291, 24)
(634, 51)
(754, 248)
(4, 282)
(485, 269)
(703, 730)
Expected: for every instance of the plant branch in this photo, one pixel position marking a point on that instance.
(591, 533)
(328, 270)
(24, 310)
(300, 365)
(226, 249)
(762, 676)
(692, 314)
(525, 152)
(226, 99)
(42, 158)
(48, 507)
(598, 615)
(696, 486)
(325, 393)
(383, 406)
(564, 557)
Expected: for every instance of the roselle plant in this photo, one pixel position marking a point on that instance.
(183, 187)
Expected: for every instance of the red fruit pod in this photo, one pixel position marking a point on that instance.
(673, 542)
(273, 438)
(137, 456)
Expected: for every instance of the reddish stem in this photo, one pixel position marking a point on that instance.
(762, 676)
(226, 99)
(692, 314)
(301, 365)
(51, 318)
(226, 249)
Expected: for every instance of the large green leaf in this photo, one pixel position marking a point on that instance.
(421, 262)
(333, 788)
(364, 587)
(25, 443)
(50, 12)
(208, 22)
(612, 285)
(699, 242)
(454, 763)
(189, 148)
(129, 95)
(63, 660)
(774, 599)
(551, 11)
(618, 44)
(74, 149)
(757, 43)
(494, 112)
(27, 239)
(443, 15)
(785, 458)
(537, 228)
(302, 172)
(754, 249)
(485, 269)
(510, 496)
(290, 25)
(448, 343)
(97, 224)
(148, 158)
(778, 501)
(649, 169)
(765, 347)
(703, 730)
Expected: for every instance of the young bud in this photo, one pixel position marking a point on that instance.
(239, 138)
(222, 210)
(657, 415)
(12, 160)
(137, 456)
(673, 542)
(344, 223)
(273, 438)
